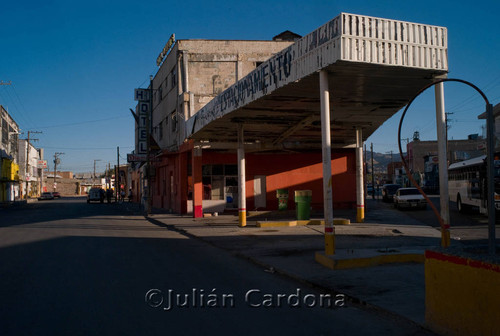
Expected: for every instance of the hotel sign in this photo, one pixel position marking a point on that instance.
(143, 110)
(141, 158)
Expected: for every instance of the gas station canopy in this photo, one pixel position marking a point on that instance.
(375, 66)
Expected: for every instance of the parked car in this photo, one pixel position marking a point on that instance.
(95, 195)
(46, 196)
(409, 198)
(56, 194)
(369, 189)
(388, 191)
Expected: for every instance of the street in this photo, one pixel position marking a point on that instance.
(68, 267)
(469, 227)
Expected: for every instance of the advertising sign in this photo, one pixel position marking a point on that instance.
(42, 164)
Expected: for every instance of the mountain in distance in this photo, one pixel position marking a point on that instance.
(381, 160)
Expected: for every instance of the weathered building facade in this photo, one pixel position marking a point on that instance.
(9, 168)
(235, 121)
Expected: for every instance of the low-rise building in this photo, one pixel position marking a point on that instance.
(30, 173)
(9, 168)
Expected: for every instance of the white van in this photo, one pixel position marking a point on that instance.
(95, 195)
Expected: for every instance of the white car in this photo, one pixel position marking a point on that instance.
(46, 196)
(409, 198)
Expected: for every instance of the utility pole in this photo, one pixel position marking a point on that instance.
(108, 177)
(373, 172)
(391, 168)
(117, 173)
(56, 162)
(365, 172)
(93, 180)
(26, 163)
(148, 146)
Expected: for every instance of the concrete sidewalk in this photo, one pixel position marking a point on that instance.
(397, 289)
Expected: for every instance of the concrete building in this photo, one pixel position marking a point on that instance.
(192, 74)
(423, 160)
(237, 120)
(9, 168)
(30, 174)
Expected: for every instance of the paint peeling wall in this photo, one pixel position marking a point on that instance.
(196, 71)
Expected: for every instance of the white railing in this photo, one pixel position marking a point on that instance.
(392, 42)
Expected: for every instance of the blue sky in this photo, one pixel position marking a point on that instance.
(74, 65)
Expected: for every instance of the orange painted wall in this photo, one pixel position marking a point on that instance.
(296, 171)
(292, 171)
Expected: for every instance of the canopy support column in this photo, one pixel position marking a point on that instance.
(327, 163)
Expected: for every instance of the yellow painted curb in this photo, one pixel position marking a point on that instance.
(336, 221)
(276, 224)
(338, 263)
(341, 221)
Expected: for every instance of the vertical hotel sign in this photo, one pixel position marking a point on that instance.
(142, 96)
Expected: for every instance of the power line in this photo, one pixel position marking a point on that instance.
(86, 148)
(83, 122)
(18, 115)
(22, 105)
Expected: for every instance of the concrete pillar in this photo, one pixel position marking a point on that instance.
(327, 163)
(242, 202)
(360, 200)
(183, 180)
(443, 163)
(197, 183)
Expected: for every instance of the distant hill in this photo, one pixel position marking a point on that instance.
(381, 160)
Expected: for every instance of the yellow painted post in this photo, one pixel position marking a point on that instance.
(329, 240)
(445, 237)
(360, 199)
(242, 211)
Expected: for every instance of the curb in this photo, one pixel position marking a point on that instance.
(336, 221)
(354, 301)
(335, 262)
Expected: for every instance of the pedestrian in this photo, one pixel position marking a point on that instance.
(130, 195)
(109, 193)
(101, 195)
(122, 196)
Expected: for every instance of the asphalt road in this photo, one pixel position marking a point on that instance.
(72, 268)
(470, 227)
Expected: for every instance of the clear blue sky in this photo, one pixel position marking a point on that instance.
(74, 65)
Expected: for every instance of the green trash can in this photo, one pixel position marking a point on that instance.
(303, 204)
(282, 195)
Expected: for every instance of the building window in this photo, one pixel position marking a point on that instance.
(219, 183)
(160, 93)
(5, 132)
(174, 77)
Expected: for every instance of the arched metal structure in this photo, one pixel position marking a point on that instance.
(445, 234)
